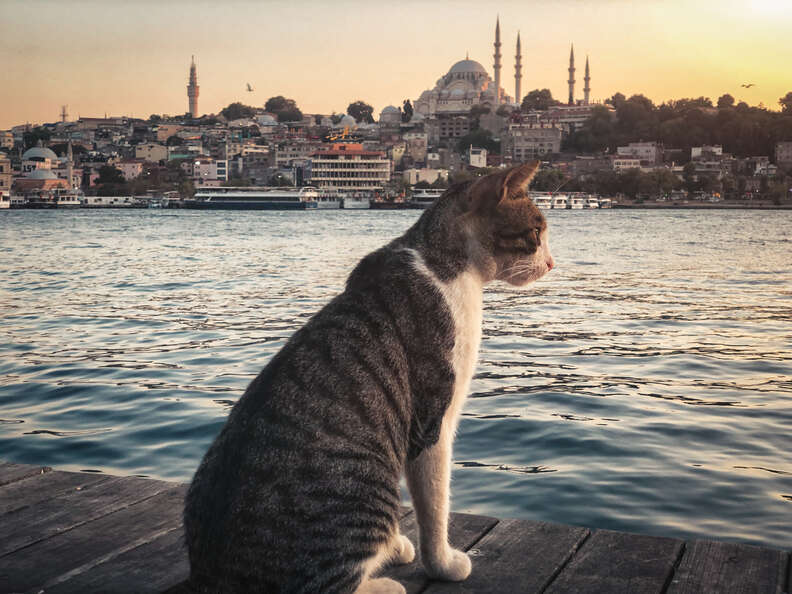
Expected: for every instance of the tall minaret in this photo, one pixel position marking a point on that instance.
(517, 71)
(571, 80)
(586, 88)
(70, 165)
(497, 57)
(192, 90)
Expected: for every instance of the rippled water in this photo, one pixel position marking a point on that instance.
(643, 385)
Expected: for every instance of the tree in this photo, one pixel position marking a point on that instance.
(280, 180)
(285, 109)
(110, 181)
(154, 118)
(478, 138)
(786, 103)
(32, 137)
(504, 111)
(539, 100)
(616, 100)
(174, 141)
(725, 101)
(407, 111)
(237, 111)
(361, 111)
(547, 180)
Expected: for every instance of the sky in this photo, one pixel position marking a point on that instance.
(132, 58)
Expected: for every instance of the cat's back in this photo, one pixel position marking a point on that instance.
(306, 469)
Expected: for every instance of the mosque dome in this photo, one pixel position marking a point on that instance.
(39, 152)
(390, 109)
(347, 120)
(41, 174)
(465, 66)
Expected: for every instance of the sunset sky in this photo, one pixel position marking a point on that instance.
(132, 58)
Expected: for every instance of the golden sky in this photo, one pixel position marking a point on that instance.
(132, 58)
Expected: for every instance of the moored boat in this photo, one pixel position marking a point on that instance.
(254, 198)
(576, 202)
(425, 197)
(559, 202)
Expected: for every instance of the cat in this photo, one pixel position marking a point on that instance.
(299, 493)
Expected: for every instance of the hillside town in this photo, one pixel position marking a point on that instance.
(466, 124)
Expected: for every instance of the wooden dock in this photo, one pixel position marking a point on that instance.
(87, 532)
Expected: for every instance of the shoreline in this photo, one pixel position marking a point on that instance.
(703, 206)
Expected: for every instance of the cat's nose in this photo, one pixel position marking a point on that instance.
(550, 264)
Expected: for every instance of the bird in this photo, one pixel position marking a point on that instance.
(748, 86)
(250, 89)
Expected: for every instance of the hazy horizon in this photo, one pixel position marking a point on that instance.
(133, 58)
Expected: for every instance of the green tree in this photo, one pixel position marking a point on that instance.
(237, 111)
(361, 111)
(548, 180)
(174, 141)
(32, 137)
(616, 100)
(538, 99)
(407, 111)
(285, 109)
(478, 138)
(786, 103)
(154, 118)
(725, 101)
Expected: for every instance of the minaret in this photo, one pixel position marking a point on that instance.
(497, 57)
(571, 80)
(517, 71)
(587, 88)
(192, 90)
(70, 165)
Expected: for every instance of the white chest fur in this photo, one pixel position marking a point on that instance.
(463, 296)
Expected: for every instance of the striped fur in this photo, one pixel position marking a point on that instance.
(300, 491)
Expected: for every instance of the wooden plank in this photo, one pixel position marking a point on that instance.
(615, 562)
(10, 473)
(710, 567)
(23, 527)
(151, 567)
(517, 556)
(41, 487)
(68, 554)
(464, 530)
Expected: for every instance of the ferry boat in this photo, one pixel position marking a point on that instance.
(592, 202)
(328, 200)
(424, 197)
(57, 198)
(544, 202)
(254, 198)
(576, 202)
(5, 200)
(605, 203)
(356, 201)
(559, 202)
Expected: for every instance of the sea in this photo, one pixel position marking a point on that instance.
(643, 385)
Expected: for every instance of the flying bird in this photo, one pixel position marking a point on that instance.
(250, 89)
(748, 86)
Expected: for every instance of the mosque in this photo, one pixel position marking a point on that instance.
(467, 83)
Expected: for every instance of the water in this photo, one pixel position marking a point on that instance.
(643, 385)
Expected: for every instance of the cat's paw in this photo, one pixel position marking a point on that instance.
(452, 566)
(404, 551)
(381, 586)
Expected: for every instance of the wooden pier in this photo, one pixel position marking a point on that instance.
(89, 532)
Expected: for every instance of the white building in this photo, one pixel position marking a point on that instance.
(151, 152)
(523, 142)
(209, 170)
(413, 176)
(349, 167)
(783, 154)
(649, 152)
(624, 163)
(477, 157)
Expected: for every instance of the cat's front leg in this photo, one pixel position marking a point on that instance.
(428, 478)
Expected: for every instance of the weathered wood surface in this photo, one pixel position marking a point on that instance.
(64, 532)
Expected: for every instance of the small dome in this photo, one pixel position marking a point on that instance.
(464, 66)
(39, 152)
(390, 109)
(42, 174)
(347, 120)
(267, 120)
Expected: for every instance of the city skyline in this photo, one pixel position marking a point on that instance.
(134, 60)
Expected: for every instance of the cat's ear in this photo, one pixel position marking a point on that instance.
(492, 190)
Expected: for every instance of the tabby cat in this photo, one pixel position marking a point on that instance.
(300, 490)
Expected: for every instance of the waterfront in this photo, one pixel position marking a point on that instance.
(643, 385)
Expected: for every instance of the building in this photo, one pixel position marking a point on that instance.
(650, 153)
(624, 163)
(477, 157)
(414, 176)
(6, 175)
(38, 157)
(523, 142)
(704, 152)
(192, 91)
(151, 152)
(571, 117)
(131, 169)
(390, 116)
(206, 170)
(6, 140)
(350, 167)
(783, 155)
(298, 150)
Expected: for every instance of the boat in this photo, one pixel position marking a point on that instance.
(592, 202)
(5, 200)
(56, 198)
(356, 201)
(576, 202)
(328, 199)
(254, 198)
(559, 202)
(542, 201)
(605, 203)
(424, 197)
